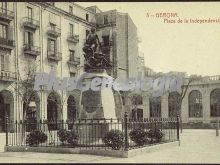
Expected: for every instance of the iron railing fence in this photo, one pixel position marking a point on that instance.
(90, 132)
(157, 130)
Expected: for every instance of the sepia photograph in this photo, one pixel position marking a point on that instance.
(109, 82)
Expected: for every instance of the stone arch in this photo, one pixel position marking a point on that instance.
(6, 108)
(54, 113)
(215, 102)
(195, 103)
(155, 106)
(71, 108)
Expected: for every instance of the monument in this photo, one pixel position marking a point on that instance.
(96, 104)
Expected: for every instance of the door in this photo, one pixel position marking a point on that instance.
(52, 115)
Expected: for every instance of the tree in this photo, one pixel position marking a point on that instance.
(184, 89)
(24, 87)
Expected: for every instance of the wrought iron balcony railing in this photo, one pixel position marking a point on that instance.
(31, 23)
(53, 31)
(73, 38)
(31, 50)
(7, 76)
(7, 43)
(6, 15)
(53, 55)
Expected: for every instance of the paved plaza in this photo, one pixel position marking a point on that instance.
(197, 146)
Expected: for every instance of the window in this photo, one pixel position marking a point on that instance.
(3, 31)
(215, 103)
(87, 33)
(28, 38)
(4, 61)
(52, 45)
(71, 29)
(30, 13)
(53, 69)
(137, 114)
(72, 74)
(155, 107)
(72, 52)
(137, 99)
(195, 104)
(173, 101)
(71, 9)
(52, 26)
(3, 7)
(105, 40)
(87, 17)
(105, 19)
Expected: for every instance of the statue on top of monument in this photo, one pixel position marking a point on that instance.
(94, 57)
(93, 40)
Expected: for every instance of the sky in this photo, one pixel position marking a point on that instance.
(186, 47)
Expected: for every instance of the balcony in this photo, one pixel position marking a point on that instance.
(53, 31)
(75, 61)
(6, 43)
(6, 15)
(106, 24)
(31, 23)
(7, 76)
(73, 38)
(54, 56)
(31, 50)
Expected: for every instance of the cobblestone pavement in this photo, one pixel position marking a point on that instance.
(197, 146)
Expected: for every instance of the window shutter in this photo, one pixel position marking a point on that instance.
(10, 32)
(1, 62)
(25, 38)
(31, 39)
(48, 44)
(6, 62)
(56, 46)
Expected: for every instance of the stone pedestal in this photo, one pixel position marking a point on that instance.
(96, 105)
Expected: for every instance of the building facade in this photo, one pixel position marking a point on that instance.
(49, 36)
(201, 102)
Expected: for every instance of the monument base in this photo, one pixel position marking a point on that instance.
(96, 105)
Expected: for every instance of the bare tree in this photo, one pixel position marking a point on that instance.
(25, 85)
(182, 95)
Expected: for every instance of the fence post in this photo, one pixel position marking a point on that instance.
(126, 130)
(178, 128)
(6, 129)
(217, 126)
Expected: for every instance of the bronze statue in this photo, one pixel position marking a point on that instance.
(94, 57)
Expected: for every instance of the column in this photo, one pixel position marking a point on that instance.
(164, 106)
(206, 104)
(146, 106)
